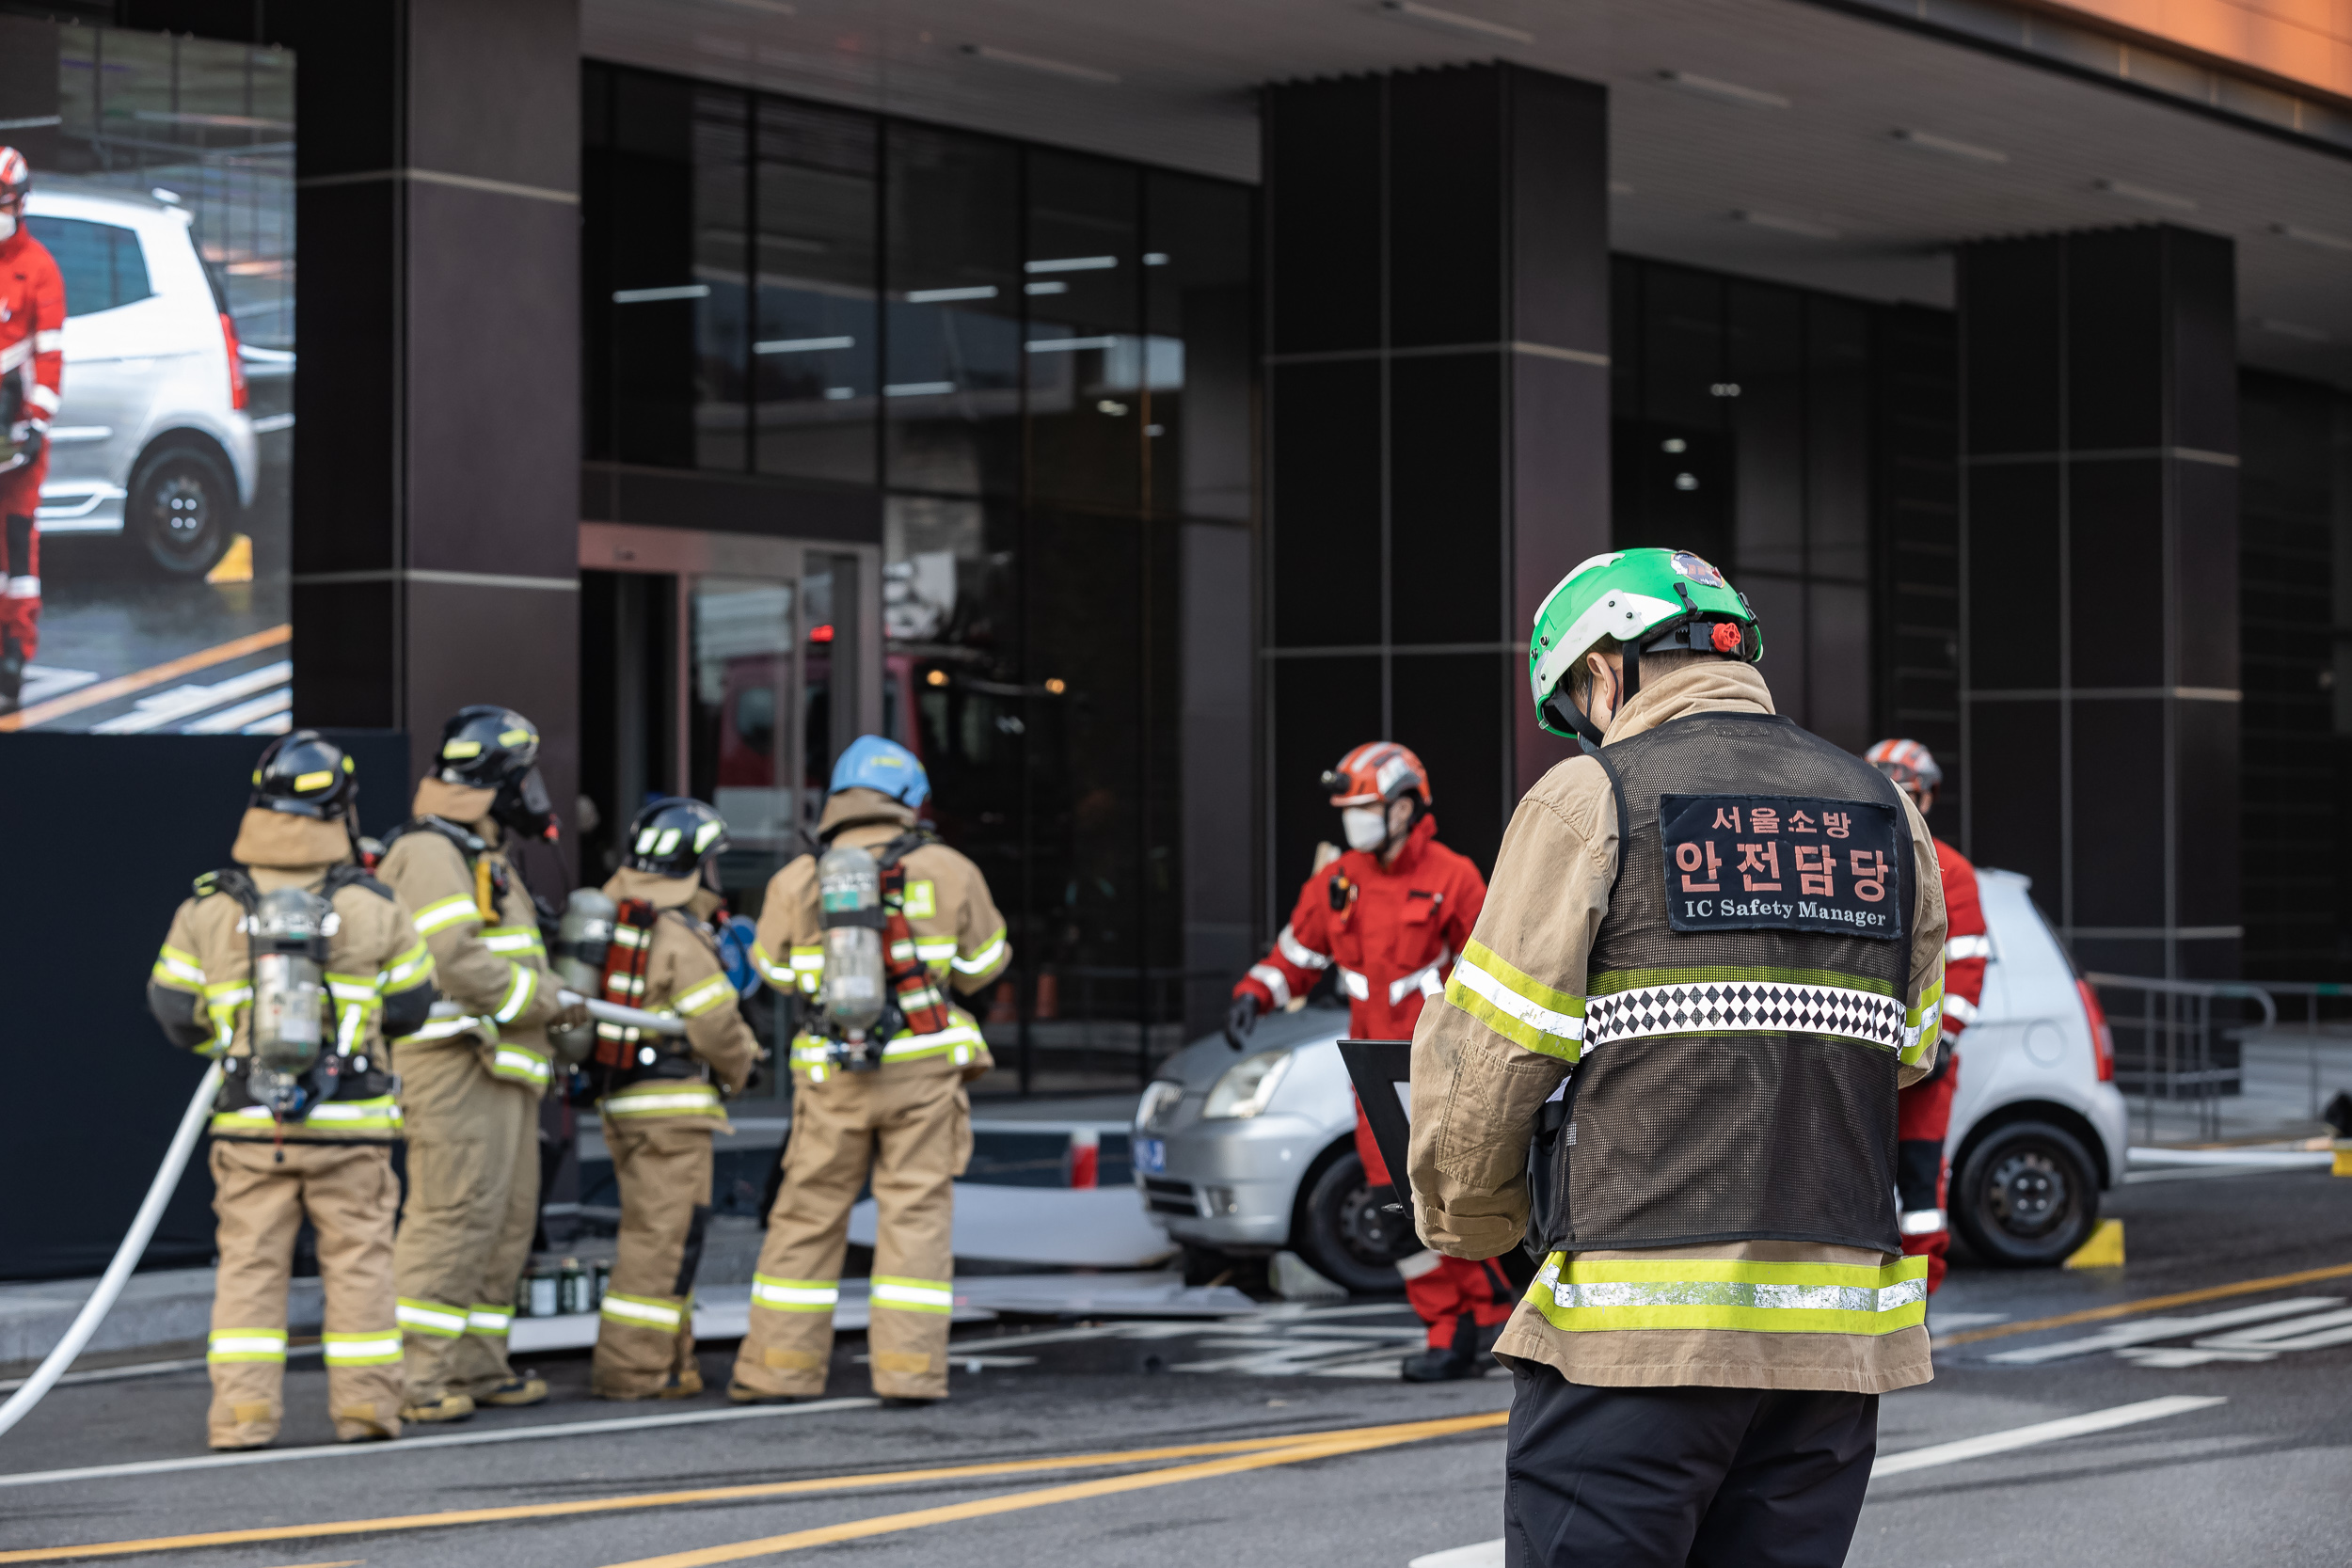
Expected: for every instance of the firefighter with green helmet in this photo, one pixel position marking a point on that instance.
(1667, 1061)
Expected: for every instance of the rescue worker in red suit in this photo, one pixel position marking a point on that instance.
(1391, 914)
(32, 365)
(1924, 1111)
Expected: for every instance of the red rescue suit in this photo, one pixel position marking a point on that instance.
(1392, 932)
(32, 355)
(1924, 1111)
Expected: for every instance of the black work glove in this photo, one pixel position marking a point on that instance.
(36, 438)
(1240, 1019)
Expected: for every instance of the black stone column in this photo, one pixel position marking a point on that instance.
(2100, 608)
(438, 409)
(1437, 321)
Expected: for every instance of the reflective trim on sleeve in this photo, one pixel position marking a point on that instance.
(1698, 1292)
(1923, 1222)
(245, 1344)
(355, 991)
(179, 970)
(1272, 978)
(1977, 946)
(378, 1349)
(776, 975)
(442, 1026)
(510, 939)
(1960, 1011)
(896, 1293)
(49, 340)
(1354, 986)
(716, 991)
(1298, 953)
(644, 1312)
(430, 1318)
(1923, 1022)
(405, 969)
(794, 1295)
(519, 990)
(1418, 1264)
(45, 398)
(490, 1320)
(981, 962)
(935, 952)
(444, 912)
(1424, 980)
(518, 1063)
(1516, 1006)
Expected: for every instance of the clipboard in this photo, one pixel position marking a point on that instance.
(1381, 1069)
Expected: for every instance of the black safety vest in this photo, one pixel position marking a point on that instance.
(1745, 997)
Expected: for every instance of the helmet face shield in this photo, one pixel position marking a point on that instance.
(522, 805)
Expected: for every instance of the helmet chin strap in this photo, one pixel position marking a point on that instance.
(1564, 714)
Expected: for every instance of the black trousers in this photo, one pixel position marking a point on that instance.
(1683, 1477)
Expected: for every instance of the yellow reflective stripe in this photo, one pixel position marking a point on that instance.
(630, 936)
(909, 1046)
(898, 1293)
(1923, 1022)
(773, 972)
(381, 1114)
(358, 990)
(794, 1295)
(1512, 1003)
(513, 939)
(490, 1322)
(520, 1064)
(405, 969)
(919, 900)
(380, 1349)
(644, 1311)
(245, 1344)
(1692, 1293)
(713, 992)
(177, 968)
(445, 912)
(808, 957)
(683, 1100)
(519, 990)
(430, 1318)
(444, 1028)
(981, 962)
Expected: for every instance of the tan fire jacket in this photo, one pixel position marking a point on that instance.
(958, 935)
(1475, 1095)
(377, 969)
(490, 960)
(684, 976)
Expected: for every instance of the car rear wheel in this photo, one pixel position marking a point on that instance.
(181, 509)
(1347, 1234)
(2027, 1196)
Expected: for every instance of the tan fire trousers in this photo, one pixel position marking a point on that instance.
(350, 1194)
(645, 1340)
(913, 1129)
(474, 1206)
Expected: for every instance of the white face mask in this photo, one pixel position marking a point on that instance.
(1367, 827)
(7, 224)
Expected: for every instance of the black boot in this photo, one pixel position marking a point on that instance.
(1457, 1360)
(12, 672)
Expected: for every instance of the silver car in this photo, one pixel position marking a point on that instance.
(1254, 1152)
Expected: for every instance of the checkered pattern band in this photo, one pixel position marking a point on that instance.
(1743, 1007)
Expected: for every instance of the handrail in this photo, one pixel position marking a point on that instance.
(2175, 1046)
(2242, 990)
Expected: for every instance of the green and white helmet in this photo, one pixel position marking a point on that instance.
(1639, 599)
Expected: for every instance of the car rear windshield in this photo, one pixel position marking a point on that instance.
(101, 264)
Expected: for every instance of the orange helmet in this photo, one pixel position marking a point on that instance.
(1911, 764)
(1376, 772)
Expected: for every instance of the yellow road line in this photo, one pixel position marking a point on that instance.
(648, 1499)
(154, 675)
(1322, 1445)
(2146, 1304)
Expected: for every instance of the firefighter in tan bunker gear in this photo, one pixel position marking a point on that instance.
(1710, 956)
(291, 1142)
(660, 1096)
(895, 1107)
(472, 1078)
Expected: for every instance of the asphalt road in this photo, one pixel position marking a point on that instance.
(2263, 1475)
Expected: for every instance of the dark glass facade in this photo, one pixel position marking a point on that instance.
(1040, 361)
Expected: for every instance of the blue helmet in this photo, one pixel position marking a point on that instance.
(873, 763)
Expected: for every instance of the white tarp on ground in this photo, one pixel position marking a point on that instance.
(1102, 1227)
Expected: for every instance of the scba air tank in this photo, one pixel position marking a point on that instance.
(581, 943)
(848, 889)
(289, 930)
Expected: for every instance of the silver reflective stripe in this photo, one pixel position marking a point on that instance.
(1746, 1006)
(1424, 980)
(1727, 1293)
(1271, 977)
(1355, 984)
(1977, 946)
(1924, 1222)
(1960, 1011)
(1298, 953)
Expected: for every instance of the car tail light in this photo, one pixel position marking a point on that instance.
(2102, 1037)
(236, 361)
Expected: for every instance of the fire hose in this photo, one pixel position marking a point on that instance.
(126, 1256)
(159, 1192)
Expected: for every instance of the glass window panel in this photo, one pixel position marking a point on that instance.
(1839, 699)
(1682, 348)
(640, 239)
(1198, 325)
(1087, 366)
(721, 272)
(1837, 427)
(738, 718)
(951, 377)
(816, 344)
(1767, 364)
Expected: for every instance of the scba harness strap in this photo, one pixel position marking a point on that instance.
(491, 876)
(624, 1054)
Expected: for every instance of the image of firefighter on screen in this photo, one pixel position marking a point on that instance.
(146, 358)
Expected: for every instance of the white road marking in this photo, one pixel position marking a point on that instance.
(142, 1369)
(1486, 1553)
(452, 1440)
(2043, 1431)
(179, 702)
(267, 705)
(2148, 1330)
(2266, 1342)
(1952, 1322)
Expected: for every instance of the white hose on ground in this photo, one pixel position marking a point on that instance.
(126, 1256)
